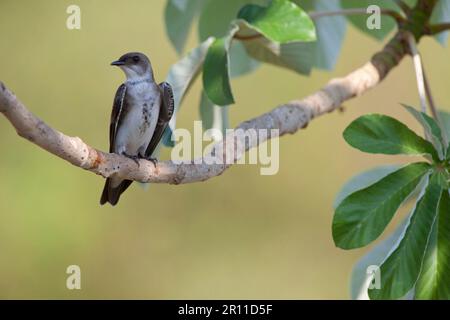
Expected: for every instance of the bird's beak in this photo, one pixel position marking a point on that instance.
(117, 63)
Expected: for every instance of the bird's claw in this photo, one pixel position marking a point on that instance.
(137, 158)
(134, 158)
(152, 160)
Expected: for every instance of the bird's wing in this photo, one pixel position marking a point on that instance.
(118, 112)
(120, 108)
(165, 114)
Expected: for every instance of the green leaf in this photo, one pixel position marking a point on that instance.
(363, 180)
(294, 56)
(218, 25)
(434, 281)
(363, 216)
(325, 51)
(213, 117)
(212, 24)
(181, 76)
(301, 57)
(376, 133)
(179, 15)
(445, 118)
(240, 62)
(360, 278)
(401, 269)
(216, 71)
(445, 121)
(443, 178)
(183, 73)
(282, 21)
(441, 14)
(281, 26)
(432, 129)
(410, 3)
(387, 24)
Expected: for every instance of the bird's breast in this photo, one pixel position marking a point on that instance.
(139, 124)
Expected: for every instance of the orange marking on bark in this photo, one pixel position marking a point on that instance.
(98, 159)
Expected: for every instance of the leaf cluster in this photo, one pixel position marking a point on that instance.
(420, 257)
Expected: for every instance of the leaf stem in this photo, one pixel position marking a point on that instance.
(419, 70)
(433, 107)
(423, 84)
(403, 5)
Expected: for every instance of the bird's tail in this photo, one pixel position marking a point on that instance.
(112, 194)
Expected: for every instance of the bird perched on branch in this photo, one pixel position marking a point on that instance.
(141, 112)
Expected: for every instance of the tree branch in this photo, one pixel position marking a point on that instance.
(438, 28)
(287, 118)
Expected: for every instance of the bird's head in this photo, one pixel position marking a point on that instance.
(135, 65)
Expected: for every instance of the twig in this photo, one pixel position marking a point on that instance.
(403, 5)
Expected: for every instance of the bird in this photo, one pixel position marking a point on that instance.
(141, 112)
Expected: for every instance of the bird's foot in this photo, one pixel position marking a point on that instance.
(152, 160)
(134, 158)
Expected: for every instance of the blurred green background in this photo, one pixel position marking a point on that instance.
(241, 235)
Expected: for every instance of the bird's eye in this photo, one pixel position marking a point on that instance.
(136, 59)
